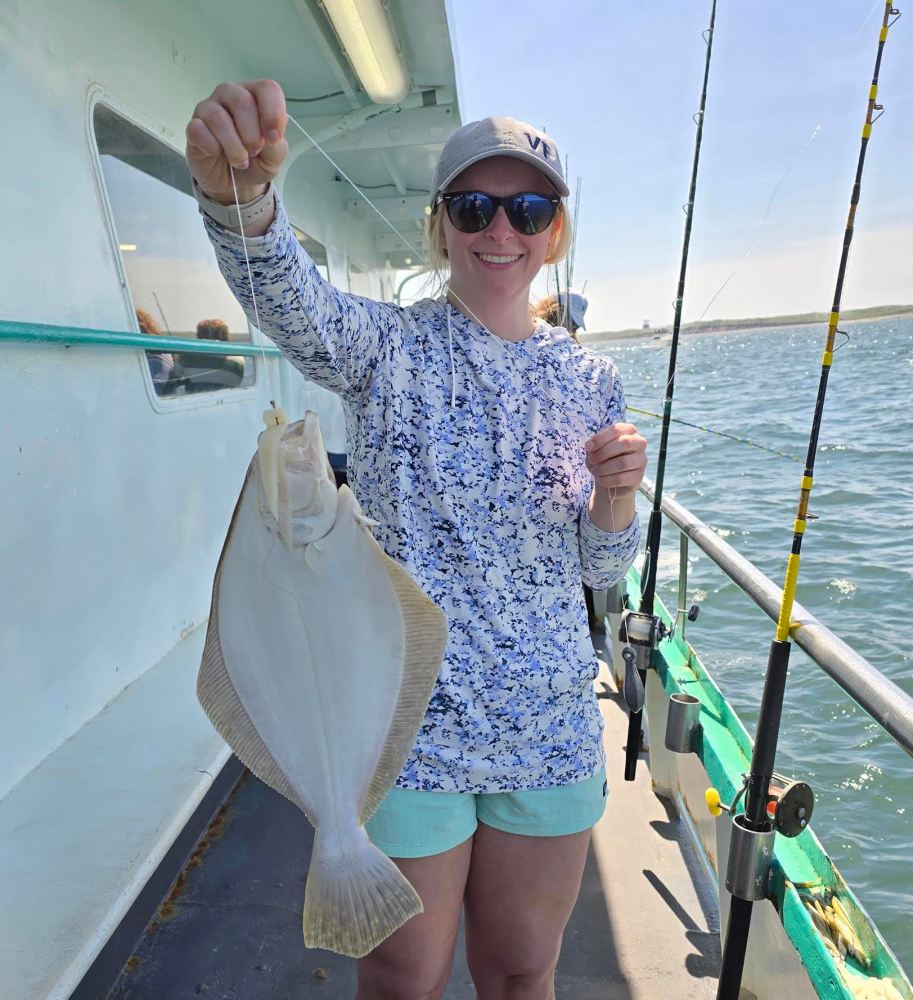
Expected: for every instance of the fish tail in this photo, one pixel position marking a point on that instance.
(355, 901)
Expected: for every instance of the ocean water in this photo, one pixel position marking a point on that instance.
(856, 573)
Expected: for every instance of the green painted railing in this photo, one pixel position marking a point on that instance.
(75, 336)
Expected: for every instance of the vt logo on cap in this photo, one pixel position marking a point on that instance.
(534, 142)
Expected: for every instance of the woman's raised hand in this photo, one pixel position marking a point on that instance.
(242, 125)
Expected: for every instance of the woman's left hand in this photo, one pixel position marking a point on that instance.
(617, 458)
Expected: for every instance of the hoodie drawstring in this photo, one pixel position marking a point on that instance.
(452, 369)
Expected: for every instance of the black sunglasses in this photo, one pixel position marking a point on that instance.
(472, 211)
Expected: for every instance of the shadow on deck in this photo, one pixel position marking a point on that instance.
(645, 926)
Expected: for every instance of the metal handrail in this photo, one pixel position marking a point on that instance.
(68, 336)
(889, 705)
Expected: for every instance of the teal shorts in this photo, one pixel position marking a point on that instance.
(415, 824)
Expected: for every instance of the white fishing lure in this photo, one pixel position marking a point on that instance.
(320, 658)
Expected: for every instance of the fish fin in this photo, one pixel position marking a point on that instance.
(352, 904)
(219, 699)
(425, 641)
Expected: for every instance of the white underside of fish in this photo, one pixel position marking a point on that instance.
(319, 662)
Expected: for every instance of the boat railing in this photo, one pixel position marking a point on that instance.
(888, 704)
(67, 336)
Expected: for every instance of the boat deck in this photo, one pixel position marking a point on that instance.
(646, 925)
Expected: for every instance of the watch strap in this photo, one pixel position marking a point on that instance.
(235, 216)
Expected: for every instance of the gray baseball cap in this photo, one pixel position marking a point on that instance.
(498, 137)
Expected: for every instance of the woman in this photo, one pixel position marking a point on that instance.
(494, 455)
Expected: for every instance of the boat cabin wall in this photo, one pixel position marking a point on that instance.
(114, 501)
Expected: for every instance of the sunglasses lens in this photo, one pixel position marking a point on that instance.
(530, 213)
(471, 212)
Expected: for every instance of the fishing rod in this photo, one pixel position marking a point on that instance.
(753, 832)
(642, 630)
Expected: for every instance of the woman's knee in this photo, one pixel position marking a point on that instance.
(403, 978)
(521, 986)
(522, 970)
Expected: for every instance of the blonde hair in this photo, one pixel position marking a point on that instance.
(549, 309)
(436, 245)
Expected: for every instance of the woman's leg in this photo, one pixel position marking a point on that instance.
(519, 897)
(414, 963)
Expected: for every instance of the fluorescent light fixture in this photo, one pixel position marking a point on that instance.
(125, 247)
(366, 35)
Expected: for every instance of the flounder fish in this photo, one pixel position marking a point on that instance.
(320, 657)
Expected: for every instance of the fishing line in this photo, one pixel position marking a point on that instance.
(763, 222)
(711, 430)
(749, 828)
(778, 185)
(250, 279)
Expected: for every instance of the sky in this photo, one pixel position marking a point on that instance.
(616, 82)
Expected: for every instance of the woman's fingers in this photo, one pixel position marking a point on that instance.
(240, 127)
(200, 140)
(220, 122)
(627, 463)
(617, 457)
(602, 447)
(271, 111)
(240, 106)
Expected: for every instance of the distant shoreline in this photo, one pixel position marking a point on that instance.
(745, 325)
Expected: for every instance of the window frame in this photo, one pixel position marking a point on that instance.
(161, 404)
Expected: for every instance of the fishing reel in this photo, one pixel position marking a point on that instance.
(640, 629)
(789, 804)
(789, 810)
(641, 634)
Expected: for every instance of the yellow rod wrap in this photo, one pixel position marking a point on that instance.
(866, 130)
(835, 319)
(827, 358)
(789, 595)
(806, 483)
(799, 527)
(883, 37)
(873, 93)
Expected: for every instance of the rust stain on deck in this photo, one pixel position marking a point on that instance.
(214, 831)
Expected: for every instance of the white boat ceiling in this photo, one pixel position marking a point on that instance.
(392, 153)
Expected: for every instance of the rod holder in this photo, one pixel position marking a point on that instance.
(683, 724)
(750, 856)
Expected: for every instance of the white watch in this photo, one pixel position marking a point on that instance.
(236, 216)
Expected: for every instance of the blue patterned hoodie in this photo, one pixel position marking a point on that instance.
(469, 453)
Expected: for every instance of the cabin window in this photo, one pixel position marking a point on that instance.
(171, 270)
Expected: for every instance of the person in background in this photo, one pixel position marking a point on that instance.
(209, 372)
(212, 329)
(564, 309)
(217, 329)
(161, 363)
